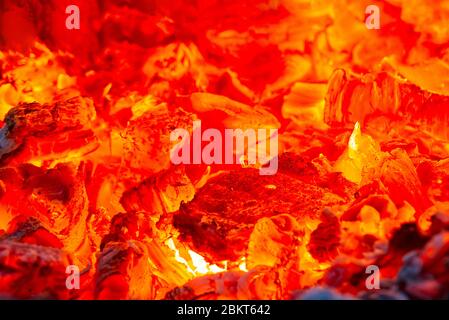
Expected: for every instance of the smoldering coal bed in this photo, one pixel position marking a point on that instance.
(92, 207)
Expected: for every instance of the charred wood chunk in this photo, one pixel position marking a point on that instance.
(33, 271)
(381, 203)
(274, 241)
(30, 230)
(214, 286)
(399, 176)
(159, 193)
(49, 130)
(346, 275)
(34, 119)
(55, 197)
(434, 176)
(407, 238)
(123, 272)
(147, 142)
(260, 283)
(220, 219)
(325, 239)
(351, 99)
(424, 273)
(128, 226)
(303, 168)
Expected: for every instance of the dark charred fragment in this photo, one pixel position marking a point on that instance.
(407, 238)
(325, 239)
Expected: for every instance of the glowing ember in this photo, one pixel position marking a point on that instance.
(92, 205)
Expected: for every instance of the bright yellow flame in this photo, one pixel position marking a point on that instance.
(242, 265)
(356, 134)
(361, 154)
(171, 244)
(197, 265)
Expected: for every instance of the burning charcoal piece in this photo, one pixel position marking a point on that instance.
(178, 69)
(123, 267)
(435, 219)
(274, 241)
(30, 230)
(346, 274)
(398, 175)
(309, 171)
(233, 114)
(123, 272)
(135, 252)
(423, 274)
(160, 193)
(56, 198)
(407, 238)
(357, 99)
(33, 119)
(226, 209)
(48, 131)
(434, 176)
(259, 283)
(128, 226)
(381, 203)
(32, 271)
(222, 285)
(325, 239)
(147, 139)
(415, 281)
